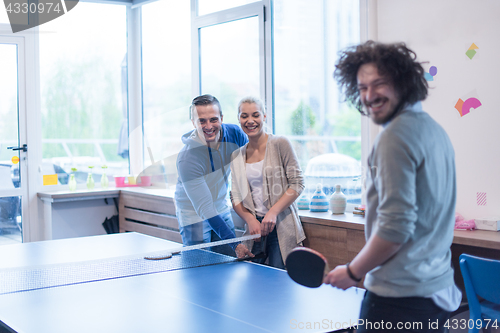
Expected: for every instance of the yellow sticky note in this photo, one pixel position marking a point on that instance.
(50, 179)
(473, 47)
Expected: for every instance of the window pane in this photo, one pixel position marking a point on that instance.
(230, 63)
(307, 37)
(10, 220)
(166, 77)
(10, 207)
(83, 92)
(9, 129)
(211, 6)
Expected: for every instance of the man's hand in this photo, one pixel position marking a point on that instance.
(339, 278)
(268, 223)
(242, 251)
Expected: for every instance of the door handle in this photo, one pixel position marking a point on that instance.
(23, 148)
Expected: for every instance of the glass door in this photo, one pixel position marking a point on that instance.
(13, 148)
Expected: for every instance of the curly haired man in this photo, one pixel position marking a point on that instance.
(411, 194)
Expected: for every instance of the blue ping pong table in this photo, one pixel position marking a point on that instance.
(230, 297)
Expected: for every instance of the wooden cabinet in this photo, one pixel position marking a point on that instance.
(148, 214)
(152, 212)
(338, 244)
(338, 237)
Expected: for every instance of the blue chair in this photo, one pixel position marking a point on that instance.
(481, 278)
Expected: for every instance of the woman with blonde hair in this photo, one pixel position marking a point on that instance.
(266, 181)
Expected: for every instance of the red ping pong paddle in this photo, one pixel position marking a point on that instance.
(306, 267)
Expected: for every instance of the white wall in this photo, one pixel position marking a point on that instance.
(441, 31)
(80, 218)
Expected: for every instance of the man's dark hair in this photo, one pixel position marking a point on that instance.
(204, 100)
(394, 61)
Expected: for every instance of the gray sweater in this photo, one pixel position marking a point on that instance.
(411, 194)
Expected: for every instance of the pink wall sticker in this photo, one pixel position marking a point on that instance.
(481, 198)
(464, 107)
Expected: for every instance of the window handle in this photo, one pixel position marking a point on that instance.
(23, 148)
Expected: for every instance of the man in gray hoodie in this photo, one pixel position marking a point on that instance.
(203, 166)
(411, 194)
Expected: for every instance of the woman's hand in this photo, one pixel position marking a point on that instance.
(242, 251)
(255, 228)
(268, 223)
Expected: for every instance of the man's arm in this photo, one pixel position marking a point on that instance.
(224, 232)
(395, 166)
(376, 251)
(197, 190)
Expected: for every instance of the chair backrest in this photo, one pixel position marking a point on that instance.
(481, 277)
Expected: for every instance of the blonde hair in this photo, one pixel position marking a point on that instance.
(252, 100)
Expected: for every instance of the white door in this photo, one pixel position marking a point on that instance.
(13, 140)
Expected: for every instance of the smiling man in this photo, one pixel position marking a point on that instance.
(411, 194)
(203, 166)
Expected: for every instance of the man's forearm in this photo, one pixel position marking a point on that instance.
(376, 251)
(221, 228)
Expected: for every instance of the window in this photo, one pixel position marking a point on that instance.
(308, 108)
(230, 51)
(229, 56)
(83, 72)
(166, 77)
(10, 206)
(9, 128)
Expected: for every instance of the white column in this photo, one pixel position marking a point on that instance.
(134, 63)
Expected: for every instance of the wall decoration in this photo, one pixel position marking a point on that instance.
(481, 198)
(464, 107)
(471, 52)
(432, 72)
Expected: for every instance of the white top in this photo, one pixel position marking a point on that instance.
(447, 299)
(255, 181)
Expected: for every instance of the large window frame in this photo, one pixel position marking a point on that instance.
(262, 9)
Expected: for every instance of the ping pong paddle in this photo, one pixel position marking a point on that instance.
(306, 267)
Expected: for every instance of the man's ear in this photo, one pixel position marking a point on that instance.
(221, 118)
(194, 123)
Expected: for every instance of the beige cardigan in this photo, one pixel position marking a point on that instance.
(281, 171)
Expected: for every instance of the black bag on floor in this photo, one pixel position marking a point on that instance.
(112, 225)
